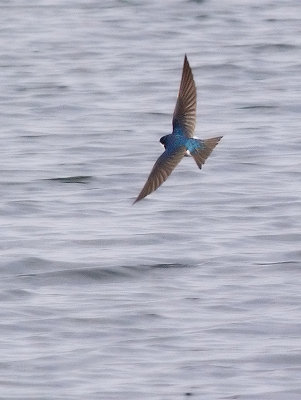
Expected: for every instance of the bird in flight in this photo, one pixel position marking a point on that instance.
(181, 141)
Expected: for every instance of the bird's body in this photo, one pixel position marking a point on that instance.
(181, 141)
(174, 141)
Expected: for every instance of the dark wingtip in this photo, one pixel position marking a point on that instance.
(138, 198)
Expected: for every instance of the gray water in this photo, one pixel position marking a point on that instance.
(193, 292)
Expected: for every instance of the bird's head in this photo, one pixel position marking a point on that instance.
(163, 140)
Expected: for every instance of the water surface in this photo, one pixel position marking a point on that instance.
(194, 291)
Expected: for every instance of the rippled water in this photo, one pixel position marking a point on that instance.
(194, 291)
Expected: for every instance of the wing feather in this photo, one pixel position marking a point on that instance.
(184, 117)
(162, 168)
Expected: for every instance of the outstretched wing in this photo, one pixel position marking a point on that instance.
(163, 167)
(184, 116)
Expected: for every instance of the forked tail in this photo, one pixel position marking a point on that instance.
(203, 152)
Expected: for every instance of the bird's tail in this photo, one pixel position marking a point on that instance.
(203, 152)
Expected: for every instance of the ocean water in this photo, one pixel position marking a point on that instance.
(193, 292)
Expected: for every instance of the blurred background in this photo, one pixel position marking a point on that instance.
(194, 291)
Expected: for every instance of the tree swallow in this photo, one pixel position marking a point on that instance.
(181, 141)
